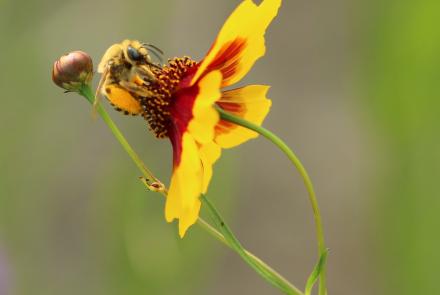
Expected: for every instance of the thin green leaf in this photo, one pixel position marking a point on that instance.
(268, 274)
(316, 272)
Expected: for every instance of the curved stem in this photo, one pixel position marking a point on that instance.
(305, 176)
(86, 91)
(265, 271)
(259, 266)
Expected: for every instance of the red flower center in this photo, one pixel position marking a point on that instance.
(170, 79)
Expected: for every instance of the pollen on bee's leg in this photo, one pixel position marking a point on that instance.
(122, 100)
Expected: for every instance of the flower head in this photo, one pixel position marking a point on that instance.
(183, 98)
(73, 70)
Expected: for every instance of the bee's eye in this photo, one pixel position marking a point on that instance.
(133, 53)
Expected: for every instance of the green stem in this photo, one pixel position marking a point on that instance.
(86, 91)
(306, 178)
(261, 263)
(262, 268)
(265, 271)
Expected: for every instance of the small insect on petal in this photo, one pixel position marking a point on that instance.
(73, 70)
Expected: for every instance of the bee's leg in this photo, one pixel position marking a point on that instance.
(135, 88)
(157, 66)
(146, 74)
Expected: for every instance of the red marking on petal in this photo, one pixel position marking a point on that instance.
(231, 107)
(186, 80)
(234, 108)
(181, 114)
(228, 58)
(224, 127)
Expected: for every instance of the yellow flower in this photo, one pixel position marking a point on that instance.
(198, 134)
(183, 97)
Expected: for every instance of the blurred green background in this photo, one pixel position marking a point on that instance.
(355, 92)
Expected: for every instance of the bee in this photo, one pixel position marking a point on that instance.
(127, 69)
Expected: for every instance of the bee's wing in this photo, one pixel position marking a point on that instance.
(98, 93)
(112, 52)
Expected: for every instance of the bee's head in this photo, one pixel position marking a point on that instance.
(130, 51)
(135, 53)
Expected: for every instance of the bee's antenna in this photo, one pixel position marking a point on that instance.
(157, 52)
(157, 56)
(153, 47)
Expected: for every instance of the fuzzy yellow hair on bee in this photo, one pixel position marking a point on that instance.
(126, 69)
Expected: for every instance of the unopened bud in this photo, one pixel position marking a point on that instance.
(73, 70)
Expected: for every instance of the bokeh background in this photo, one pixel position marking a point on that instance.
(355, 92)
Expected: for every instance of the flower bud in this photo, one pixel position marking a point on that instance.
(73, 70)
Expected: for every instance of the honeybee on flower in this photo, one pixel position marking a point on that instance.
(127, 70)
(179, 100)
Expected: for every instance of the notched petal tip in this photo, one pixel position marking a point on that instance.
(240, 42)
(186, 186)
(189, 218)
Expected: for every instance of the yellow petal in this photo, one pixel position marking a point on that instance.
(186, 186)
(194, 155)
(240, 41)
(205, 117)
(249, 103)
(209, 154)
(189, 217)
